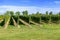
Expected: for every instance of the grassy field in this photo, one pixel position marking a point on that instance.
(45, 32)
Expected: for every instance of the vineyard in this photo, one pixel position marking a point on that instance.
(16, 19)
(25, 26)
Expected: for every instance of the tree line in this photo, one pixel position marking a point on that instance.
(37, 17)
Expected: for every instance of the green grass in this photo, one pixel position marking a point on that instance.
(45, 32)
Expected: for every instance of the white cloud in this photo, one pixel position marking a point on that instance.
(31, 9)
(57, 2)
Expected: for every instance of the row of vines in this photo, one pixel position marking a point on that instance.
(12, 18)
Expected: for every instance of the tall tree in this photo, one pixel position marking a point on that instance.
(7, 19)
(12, 14)
(46, 12)
(50, 15)
(38, 16)
(18, 15)
(7, 13)
(25, 13)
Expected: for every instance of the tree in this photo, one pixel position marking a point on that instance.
(12, 14)
(25, 13)
(17, 14)
(46, 12)
(38, 16)
(46, 17)
(50, 15)
(59, 17)
(7, 13)
(7, 19)
(37, 13)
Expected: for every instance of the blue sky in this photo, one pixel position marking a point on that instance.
(30, 5)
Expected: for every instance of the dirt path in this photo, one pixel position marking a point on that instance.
(15, 24)
(6, 24)
(35, 23)
(25, 23)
